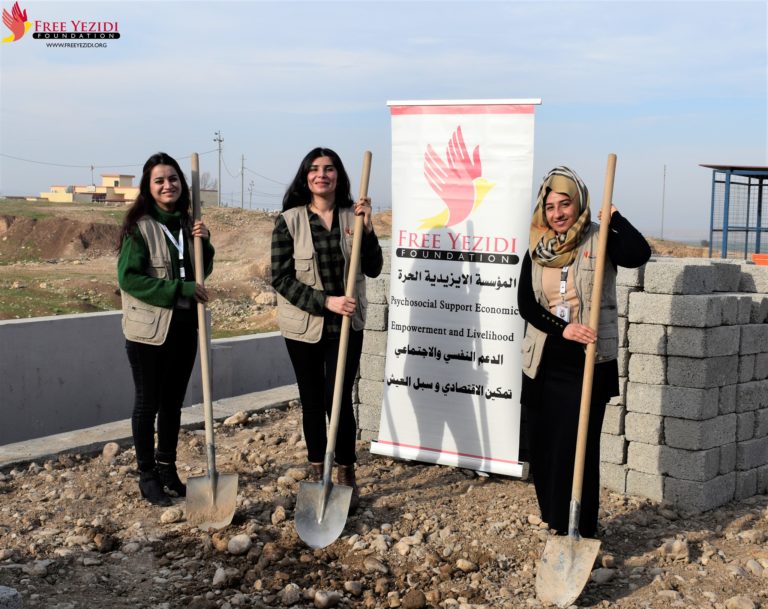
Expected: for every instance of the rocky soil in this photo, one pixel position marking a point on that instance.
(75, 534)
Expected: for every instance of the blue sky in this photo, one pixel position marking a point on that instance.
(657, 83)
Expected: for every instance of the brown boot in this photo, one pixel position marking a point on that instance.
(345, 474)
(315, 472)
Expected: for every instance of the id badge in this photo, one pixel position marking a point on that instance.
(563, 311)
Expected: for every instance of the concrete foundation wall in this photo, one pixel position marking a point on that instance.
(67, 372)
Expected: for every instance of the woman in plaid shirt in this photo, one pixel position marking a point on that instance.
(311, 248)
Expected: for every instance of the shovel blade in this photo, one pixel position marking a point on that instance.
(565, 568)
(320, 518)
(211, 501)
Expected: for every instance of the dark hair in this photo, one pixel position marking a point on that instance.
(298, 191)
(144, 201)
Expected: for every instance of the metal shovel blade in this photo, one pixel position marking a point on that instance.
(211, 500)
(565, 568)
(321, 512)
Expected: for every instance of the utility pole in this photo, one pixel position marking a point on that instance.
(242, 180)
(663, 195)
(250, 195)
(219, 140)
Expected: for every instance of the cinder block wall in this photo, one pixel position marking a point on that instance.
(690, 426)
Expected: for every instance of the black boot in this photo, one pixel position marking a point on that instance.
(170, 479)
(152, 489)
(345, 474)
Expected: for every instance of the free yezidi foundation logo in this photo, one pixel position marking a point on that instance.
(457, 179)
(16, 21)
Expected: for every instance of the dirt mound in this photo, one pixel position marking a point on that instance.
(29, 239)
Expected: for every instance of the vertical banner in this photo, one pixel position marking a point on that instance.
(461, 200)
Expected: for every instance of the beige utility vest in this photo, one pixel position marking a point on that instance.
(142, 322)
(294, 322)
(583, 269)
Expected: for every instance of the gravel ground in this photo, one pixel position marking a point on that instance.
(75, 534)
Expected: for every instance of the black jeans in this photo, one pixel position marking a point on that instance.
(160, 375)
(315, 368)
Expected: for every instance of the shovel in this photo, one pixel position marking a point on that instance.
(322, 508)
(210, 498)
(567, 560)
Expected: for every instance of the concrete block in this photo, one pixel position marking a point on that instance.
(369, 417)
(372, 367)
(646, 458)
(613, 477)
(645, 485)
(752, 454)
(754, 338)
(367, 435)
(752, 396)
(622, 361)
(621, 399)
(622, 299)
(700, 465)
(613, 422)
(386, 249)
(370, 392)
(376, 317)
(700, 435)
(710, 372)
(10, 598)
(759, 310)
(737, 308)
(680, 402)
(762, 479)
(650, 339)
(375, 343)
(727, 458)
(675, 278)
(746, 484)
(754, 278)
(761, 423)
(613, 449)
(727, 400)
(377, 290)
(761, 366)
(747, 368)
(649, 369)
(697, 311)
(703, 342)
(745, 426)
(700, 496)
(630, 277)
(646, 428)
(727, 277)
(623, 332)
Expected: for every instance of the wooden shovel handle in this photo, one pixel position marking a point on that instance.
(594, 320)
(354, 263)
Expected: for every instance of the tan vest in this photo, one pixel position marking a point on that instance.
(295, 323)
(142, 322)
(583, 269)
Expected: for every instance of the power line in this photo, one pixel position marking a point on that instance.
(265, 177)
(89, 166)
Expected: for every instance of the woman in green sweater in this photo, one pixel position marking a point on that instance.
(155, 270)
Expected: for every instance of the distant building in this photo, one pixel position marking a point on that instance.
(115, 187)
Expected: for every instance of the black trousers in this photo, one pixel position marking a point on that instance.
(160, 375)
(315, 368)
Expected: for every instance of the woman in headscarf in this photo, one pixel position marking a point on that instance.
(554, 294)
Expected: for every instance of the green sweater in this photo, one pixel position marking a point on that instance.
(134, 259)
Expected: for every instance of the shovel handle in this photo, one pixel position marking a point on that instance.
(354, 263)
(201, 321)
(589, 362)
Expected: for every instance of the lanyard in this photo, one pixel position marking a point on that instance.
(563, 281)
(180, 247)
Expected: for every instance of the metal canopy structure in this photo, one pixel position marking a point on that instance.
(736, 217)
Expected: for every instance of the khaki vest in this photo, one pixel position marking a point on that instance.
(295, 323)
(142, 322)
(583, 269)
